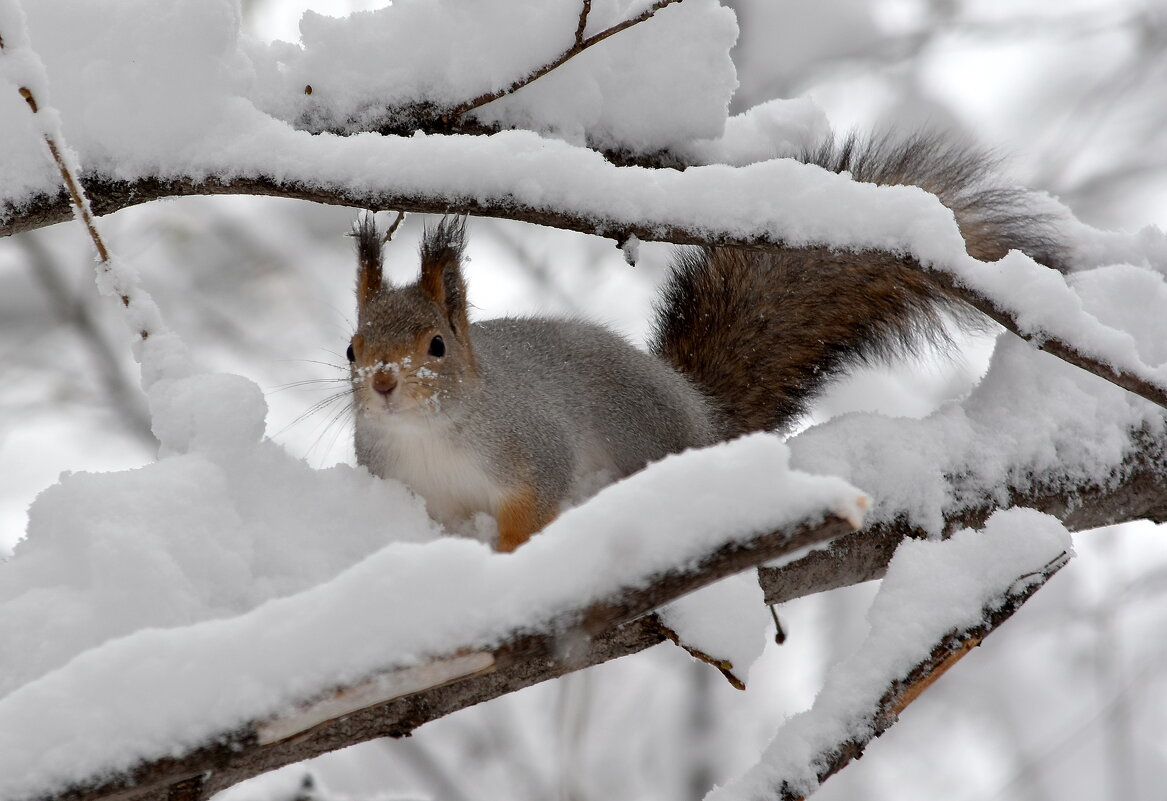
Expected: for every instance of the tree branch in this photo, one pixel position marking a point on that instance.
(585, 9)
(612, 627)
(1138, 491)
(947, 652)
(622, 625)
(1052, 345)
(107, 196)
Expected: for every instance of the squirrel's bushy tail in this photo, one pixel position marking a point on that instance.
(761, 333)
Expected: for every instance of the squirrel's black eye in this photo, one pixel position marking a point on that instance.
(352, 357)
(437, 347)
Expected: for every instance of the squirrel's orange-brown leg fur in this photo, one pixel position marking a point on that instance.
(518, 518)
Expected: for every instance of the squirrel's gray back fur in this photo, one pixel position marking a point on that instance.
(762, 332)
(578, 399)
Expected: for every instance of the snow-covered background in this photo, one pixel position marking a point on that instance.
(1065, 702)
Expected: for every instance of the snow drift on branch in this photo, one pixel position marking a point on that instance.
(210, 535)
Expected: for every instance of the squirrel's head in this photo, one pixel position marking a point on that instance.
(411, 350)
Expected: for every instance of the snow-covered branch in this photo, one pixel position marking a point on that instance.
(1135, 490)
(613, 625)
(939, 601)
(607, 629)
(607, 221)
(246, 130)
(1075, 352)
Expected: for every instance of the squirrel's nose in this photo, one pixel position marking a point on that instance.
(384, 382)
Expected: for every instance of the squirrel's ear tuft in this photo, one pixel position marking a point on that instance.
(369, 273)
(441, 270)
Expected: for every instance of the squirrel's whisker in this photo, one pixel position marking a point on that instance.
(320, 405)
(306, 382)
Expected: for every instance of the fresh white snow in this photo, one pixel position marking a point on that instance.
(150, 608)
(931, 588)
(1032, 417)
(215, 566)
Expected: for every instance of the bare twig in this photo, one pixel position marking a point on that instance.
(76, 193)
(80, 203)
(583, 22)
(400, 218)
(581, 44)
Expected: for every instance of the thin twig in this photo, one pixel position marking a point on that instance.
(581, 44)
(76, 193)
(394, 226)
(78, 199)
(583, 22)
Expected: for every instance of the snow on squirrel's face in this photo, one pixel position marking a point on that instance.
(411, 352)
(410, 378)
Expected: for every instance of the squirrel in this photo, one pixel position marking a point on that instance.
(516, 418)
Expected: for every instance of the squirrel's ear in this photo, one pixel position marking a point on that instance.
(369, 274)
(441, 271)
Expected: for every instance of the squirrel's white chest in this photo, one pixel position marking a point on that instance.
(426, 457)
